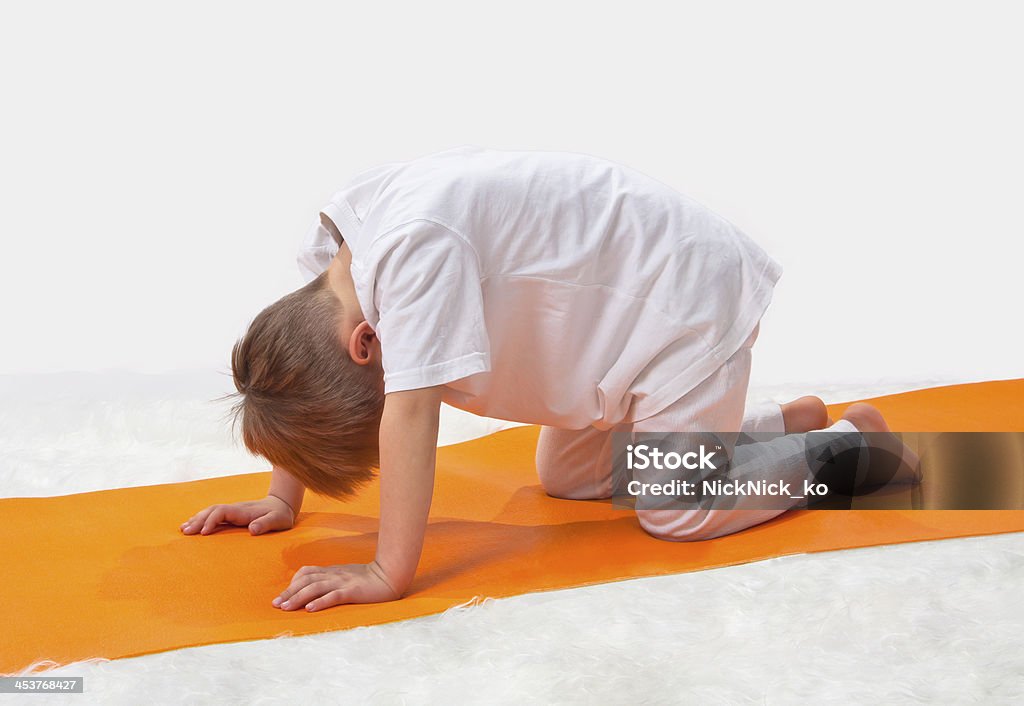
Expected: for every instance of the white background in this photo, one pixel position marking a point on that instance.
(159, 166)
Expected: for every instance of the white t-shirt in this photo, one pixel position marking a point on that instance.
(543, 287)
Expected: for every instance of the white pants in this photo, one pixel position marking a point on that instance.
(576, 463)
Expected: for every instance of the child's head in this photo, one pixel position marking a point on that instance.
(304, 403)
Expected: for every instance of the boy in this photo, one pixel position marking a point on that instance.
(551, 288)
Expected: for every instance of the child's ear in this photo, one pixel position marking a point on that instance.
(361, 343)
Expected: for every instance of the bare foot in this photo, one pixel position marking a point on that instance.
(865, 417)
(805, 414)
(868, 419)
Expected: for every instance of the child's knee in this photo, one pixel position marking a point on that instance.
(570, 471)
(571, 483)
(563, 485)
(567, 492)
(678, 525)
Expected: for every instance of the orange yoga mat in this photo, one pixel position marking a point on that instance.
(107, 574)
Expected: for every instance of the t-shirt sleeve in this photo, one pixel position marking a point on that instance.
(429, 302)
(317, 250)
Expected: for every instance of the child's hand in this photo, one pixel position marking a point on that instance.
(319, 587)
(264, 515)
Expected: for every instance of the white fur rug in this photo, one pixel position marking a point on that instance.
(929, 622)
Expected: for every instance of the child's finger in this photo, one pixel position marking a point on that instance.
(271, 520)
(300, 581)
(237, 514)
(195, 521)
(307, 570)
(338, 596)
(215, 517)
(311, 592)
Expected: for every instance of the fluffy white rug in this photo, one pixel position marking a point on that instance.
(915, 623)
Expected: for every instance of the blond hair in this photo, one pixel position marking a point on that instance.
(303, 403)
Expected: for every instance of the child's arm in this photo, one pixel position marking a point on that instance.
(408, 447)
(286, 487)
